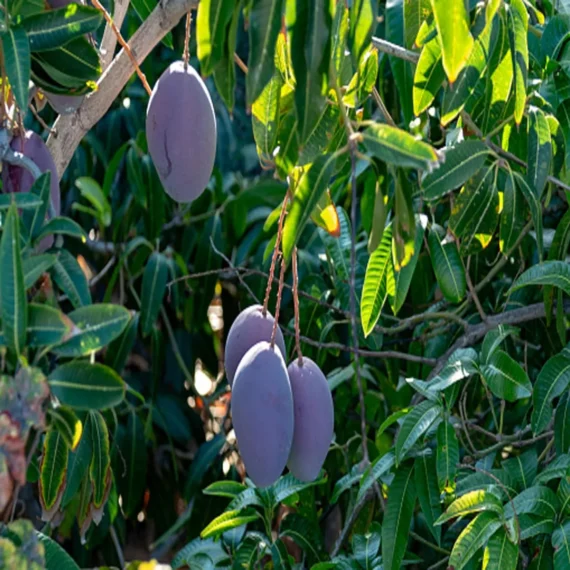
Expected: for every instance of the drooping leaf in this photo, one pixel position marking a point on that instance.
(562, 425)
(153, 288)
(462, 363)
(500, 552)
(229, 520)
(63, 226)
(78, 463)
(16, 51)
(56, 558)
(52, 473)
(429, 75)
(47, 326)
(415, 424)
(555, 273)
(379, 467)
(225, 72)
(448, 268)
(512, 216)
(535, 209)
(211, 21)
(539, 157)
(506, 378)
(447, 455)
(119, 350)
(517, 25)
(561, 544)
(100, 467)
(362, 23)
(69, 277)
(472, 502)
(425, 477)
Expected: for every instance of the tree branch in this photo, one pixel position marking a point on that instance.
(109, 41)
(72, 128)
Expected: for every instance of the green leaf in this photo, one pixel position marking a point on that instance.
(415, 424)
(13, 299)
(229, 489)
(153, 288)
(16, 51)
(362, 23)
(304, 533)
(144, 8)
(69, 277)
(539, 155)
(459, 94)
(365, 546)
(555, 273)
(379, 467)
(54, 28)
(398, 147)
(64, 420)
(78, 463)
(557, 469)
(52, 473)
(311, 187)
(119, 350)
(62, 225)
(474, 536)
(33, 220)
(398, 518)
(512, 216)
(264, 26)
(461, 163)
(375, 288)
(23, 201)
(517, 25)
(86, 386)
(427, 487)
(97, 326)
(56, 558)
(538, 500)
(531, 525)
(429, 75)
(493, 340)
(207, 454)
(500, 552)
(522, 468)
(47, 326)
(473, 502)
(280, 556)
(309, 26)
(452, 23)
(211, 22)
(448, 268)
(561, 544)
(535, 209)
(543, 559)
(506, 378)
(461, 364)
(476, 210)
(289, 485)
(562, 425)
(552, 381)
(229, 520)
(35, 266)
(100, 467)
(415, 14)
(93, 193)
(447, 456)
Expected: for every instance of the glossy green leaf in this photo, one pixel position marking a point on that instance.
(52, 473)
(144, 8)
(506, 378)
(398, 147)
(35, 266)
(47, 326)
(462, 363)
(311, 187)
(14, 304)
(425, 477)
(517, 25)
(100, 467)
(561, 545)
(493, 340)
(535, 208)
(64, 420)
(462, 162)
(429, 75)
(448, 268)
(552, 381)
(543, 559)
(452, 23)
(447, 454)
(265, 117)
(362, 23)
(211, 22)
(474, 536)
(522, 468)
(78, 463)
(375, 288)
(472, 502)
(22, 201)
(69, 277)
(555, 273)
(264, 26)
(16, 52)
(54, 28)
(153, 288)
(229, 520)
(500, 552)
(559, 468)
(415, 424)
(512, 216)
(64, 226)
(85, 386)
(93, 193)
(539, 157)
(379, 467)
(398, 517)
(34, 219)
(415, 14)
(119, 350)
(56, 558)
(538, 500)
(562, 425)
(531, 525)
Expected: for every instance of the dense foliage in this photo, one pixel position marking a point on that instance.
(421, 149)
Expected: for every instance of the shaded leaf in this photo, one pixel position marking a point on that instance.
(415, 424)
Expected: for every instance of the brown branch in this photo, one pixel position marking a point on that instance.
(109, 40)
(73, 127)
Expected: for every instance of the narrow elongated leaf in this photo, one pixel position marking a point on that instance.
(224, 489)
(211, 22)
(98, 325)
(539, 155)
(265, 117)
(100, 467)
(537, 500)
(506, 378)
(535, 209)
(144, 8)
(23, 201)
(416, 12)
(472, 502)
(78, 463)
(512, 216)
(86, 386)
(14, 305)
(543, 559)
(320, 137)
(398, 147)
(304, 533)
(311, 187)
(447, 456)
(56, 558)
(456, 40)
(362, 22)
(415, 424)
(68, 424)
(561, 544)
(500, 552)
(69, 277)
(379, 467)
(555, 273)
(34, 267)
(557, 469)
(462, 162)
(16, 51)
(264, 25)
(552, 381)
(522, 468)
(207, 454)
(119, 350)
(64, 226)
(531, 525)
(461, 364)
(448, 268)
(375, 289)
(365, 546)
(53, 28)
(153, 288)
(429, 75)
(34, 219)
(493, 340)
(47, 326)
(425, 478)
(562, 425)
(52, 473)
(225, 72)
(517, 25)
(398, 517)
(474, 536)
(228, 520)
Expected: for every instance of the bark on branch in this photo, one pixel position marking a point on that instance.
(72, 128)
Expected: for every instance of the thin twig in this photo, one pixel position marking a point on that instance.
(429, 544)
(278, 302)
(186, 55)
(123, 44)
(42, 123)
(117, 545)
(350, 521)
(382, 107)
(240, 63)
(296, 307)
